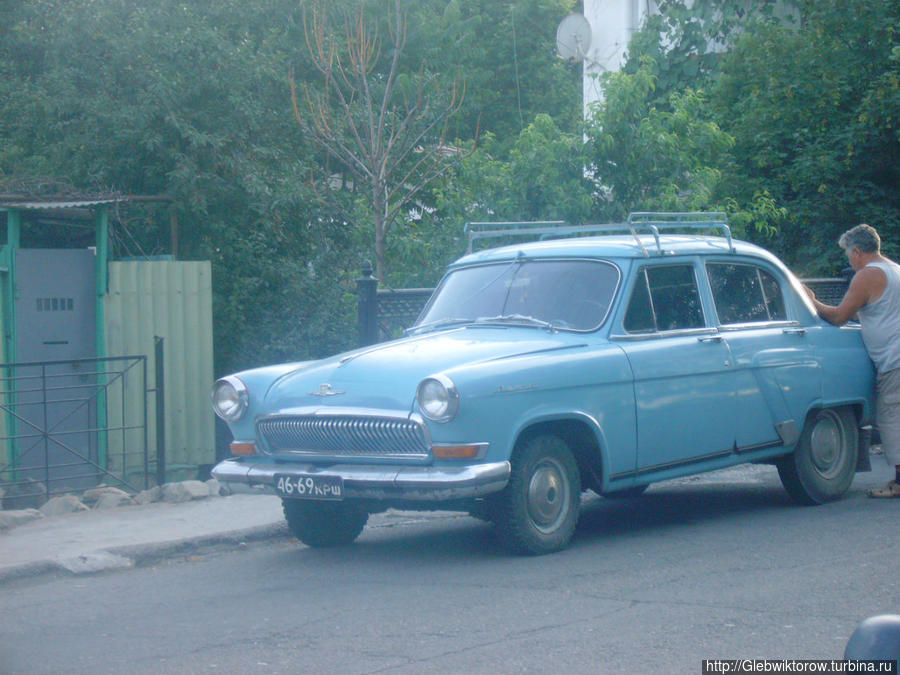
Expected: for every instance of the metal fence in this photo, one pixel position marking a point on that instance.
(829, 291)
(384, 314)
(70, 425)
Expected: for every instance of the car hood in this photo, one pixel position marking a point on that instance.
(386, 376)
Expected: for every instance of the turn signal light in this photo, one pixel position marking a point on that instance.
(455, 451)
(243, 449)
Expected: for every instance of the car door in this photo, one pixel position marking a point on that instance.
(777, 375)
(683, 379)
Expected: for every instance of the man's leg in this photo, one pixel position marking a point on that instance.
(888, 420)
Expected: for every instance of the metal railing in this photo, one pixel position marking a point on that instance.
(70, 425)
(383, 314)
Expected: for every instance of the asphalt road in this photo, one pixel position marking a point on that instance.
(716, 566)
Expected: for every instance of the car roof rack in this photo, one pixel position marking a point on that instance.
(654, 221)
(641, 222)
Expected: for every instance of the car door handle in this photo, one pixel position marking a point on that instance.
(710, 338)
(794, 331)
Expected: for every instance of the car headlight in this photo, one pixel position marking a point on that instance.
(230, 398)
(438, 398)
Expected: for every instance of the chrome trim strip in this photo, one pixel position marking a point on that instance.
(428, 483)
(736, 451)
(671, 465)
(760, 446)
(659, 335)
(758, 325)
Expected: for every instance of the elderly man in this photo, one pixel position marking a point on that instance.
(874, 296)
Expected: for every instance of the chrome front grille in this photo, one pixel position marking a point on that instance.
(350, 436)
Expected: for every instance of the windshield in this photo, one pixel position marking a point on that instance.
(564, 294)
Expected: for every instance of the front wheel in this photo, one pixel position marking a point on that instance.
(822, 465)
(537, 511)
(324, 524)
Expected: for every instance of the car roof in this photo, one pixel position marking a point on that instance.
(619, 247)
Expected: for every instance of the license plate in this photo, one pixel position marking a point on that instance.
(309, 486)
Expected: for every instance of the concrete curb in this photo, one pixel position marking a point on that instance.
(139, 555)
(112, 558)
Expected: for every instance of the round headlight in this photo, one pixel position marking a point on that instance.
(230, 399)
(438, 398)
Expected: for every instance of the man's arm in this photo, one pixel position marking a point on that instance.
(865, 284)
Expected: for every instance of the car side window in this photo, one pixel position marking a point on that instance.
(664, 298)
(745, 293)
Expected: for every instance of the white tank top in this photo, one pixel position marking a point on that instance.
(881, 321)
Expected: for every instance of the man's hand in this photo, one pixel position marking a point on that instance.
(867, 286)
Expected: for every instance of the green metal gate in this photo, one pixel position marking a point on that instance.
(66, 432)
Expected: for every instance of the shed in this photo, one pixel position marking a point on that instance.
(105, 365)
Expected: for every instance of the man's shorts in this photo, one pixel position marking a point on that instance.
(888, 415)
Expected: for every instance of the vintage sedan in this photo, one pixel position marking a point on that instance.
(539, 370)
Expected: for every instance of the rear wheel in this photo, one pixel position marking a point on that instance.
(822, 465)
(537, 511)
(324, 524)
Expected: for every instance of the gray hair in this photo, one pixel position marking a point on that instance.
(864, 237)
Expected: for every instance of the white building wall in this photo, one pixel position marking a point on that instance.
(613, 22)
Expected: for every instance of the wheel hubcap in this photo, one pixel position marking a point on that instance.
(548, 496)
(826, 445)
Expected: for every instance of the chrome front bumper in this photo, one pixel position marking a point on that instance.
(414, 483)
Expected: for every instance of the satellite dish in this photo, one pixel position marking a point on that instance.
(573, 37)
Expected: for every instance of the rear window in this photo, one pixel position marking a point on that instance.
(745, 294)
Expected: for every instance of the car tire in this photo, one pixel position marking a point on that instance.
(822, 465)
(627, 493)
(324, 524)
(537, 511)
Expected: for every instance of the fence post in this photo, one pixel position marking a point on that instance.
(159, 355)
(367, 312)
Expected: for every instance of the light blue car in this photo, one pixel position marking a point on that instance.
(540, 370)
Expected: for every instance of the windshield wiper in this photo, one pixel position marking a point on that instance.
(518, 319)
(434, 325)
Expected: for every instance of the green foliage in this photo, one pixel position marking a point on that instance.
(808, 93)
(190, 100)
(651, 159)
(541, 178)
(815, 114)
(545, 175)
(684, 41)
(275, 307)
(506, 55)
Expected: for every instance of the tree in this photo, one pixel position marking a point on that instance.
(685, 39)
(506, 54)
(541, 178)
(191, 100)
(386, 127)
(810, 93)
(815, 111)
(647, 158)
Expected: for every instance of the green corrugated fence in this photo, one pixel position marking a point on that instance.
(171, 300)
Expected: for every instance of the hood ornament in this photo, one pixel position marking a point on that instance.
(326, 390)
